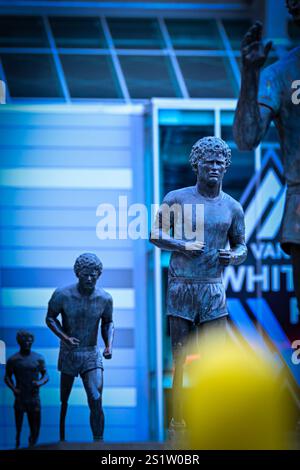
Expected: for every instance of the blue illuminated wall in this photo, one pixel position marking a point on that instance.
(58, 164)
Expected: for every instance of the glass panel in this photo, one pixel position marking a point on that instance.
(136, 33)
(176, 142)
(78, 32)
(90, 76)
(149, 77)
(194, 34)
(236, 30)
(208, 77)
(22, 31)
(242, 167)
(294, 33)
(32, 76)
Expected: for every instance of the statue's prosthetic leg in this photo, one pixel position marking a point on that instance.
(66, 384)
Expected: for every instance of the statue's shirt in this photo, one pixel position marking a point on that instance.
(81, 314)
(222, 220)
(276, 91)
(26, 369)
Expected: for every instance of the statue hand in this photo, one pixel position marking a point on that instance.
(224, 257)
(107, 353)
(73, 341)
(35, 384)
(17, 392)
(254, 52)
(193, 249)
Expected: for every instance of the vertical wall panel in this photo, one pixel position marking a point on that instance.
(56, 168)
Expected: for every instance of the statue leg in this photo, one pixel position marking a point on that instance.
(217, 326)
(34, 420)
(93, 384)
(179, 330)
(19, 415)
(66, 384)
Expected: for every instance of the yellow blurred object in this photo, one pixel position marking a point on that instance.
(235, 399)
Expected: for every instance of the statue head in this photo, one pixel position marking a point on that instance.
(210, 157)
(293, 7)
(88, 269)
(25, 340)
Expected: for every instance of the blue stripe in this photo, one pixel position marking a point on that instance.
(66, 237)
(75, 178)
(121, 357)
(241, 319)
(63, 198)
(267, 319)
(65, 137)
(75, 158)
(55, 218)
(25, 317)
(114, 377)
(76, 118)
(38, 277)
(124, 338)
(77, 416)
(114, 259)
(125, 5)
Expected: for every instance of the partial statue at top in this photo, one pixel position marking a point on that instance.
(196, 223)
(82, 306)
(269, 95)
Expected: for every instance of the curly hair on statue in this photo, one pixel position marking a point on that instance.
(87, 260)
(209, 145)
(23, 334)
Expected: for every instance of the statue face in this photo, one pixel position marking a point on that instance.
(212, 168)
(88, 278)
(293, 7)
(25, 342)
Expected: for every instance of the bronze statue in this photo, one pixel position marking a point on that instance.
(196, 294)
(25, 374)
(271, 95)
(81, 307)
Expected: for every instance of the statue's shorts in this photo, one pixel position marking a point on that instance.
(290, 227)
(27, 406)
(78, 360)
(196, 300)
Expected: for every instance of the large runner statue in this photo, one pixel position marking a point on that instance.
(196, 294)
(270, 95)
(25, 374)
(81, 307)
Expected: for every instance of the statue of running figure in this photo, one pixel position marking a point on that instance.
(25, 374)
(196, 294)
(270, 94)
(81, 307)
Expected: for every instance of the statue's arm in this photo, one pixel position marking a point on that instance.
(107, 329)
(162, 230)
(8, 378)
(237, 242)
(44, 377)
(54, 324)
(252, 119)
